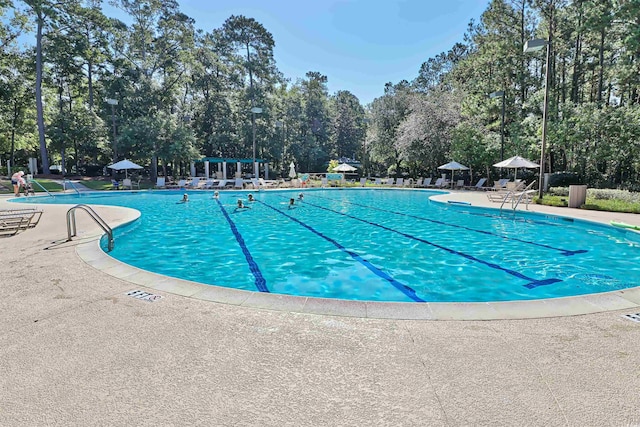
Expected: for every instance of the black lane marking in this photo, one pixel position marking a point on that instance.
(260, 281)
(532, 282)
(408, 291)
(562, 251)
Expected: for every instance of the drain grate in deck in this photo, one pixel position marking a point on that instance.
(635, 317)
(145, 296)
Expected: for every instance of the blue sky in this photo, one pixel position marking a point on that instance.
(358, 44)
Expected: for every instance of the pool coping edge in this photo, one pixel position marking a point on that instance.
(92, 254)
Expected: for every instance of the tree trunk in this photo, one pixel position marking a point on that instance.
(601, 68)
(577, 61)
(14, 121)
(90, 82)
(41, 132)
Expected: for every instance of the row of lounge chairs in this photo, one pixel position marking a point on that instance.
(126, 183)
(260, 183)
(422, 183)
(218, 184)
(13, 221)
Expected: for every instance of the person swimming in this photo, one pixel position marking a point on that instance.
(185, 198)
(292, 203)
(241, 206)
(216, 195)
(250, 198)
(301, 197)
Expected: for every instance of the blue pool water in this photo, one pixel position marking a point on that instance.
(361, 244)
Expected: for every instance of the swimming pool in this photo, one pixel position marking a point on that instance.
(370, 245)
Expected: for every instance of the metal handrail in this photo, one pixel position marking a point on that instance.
(71, 223)
(507, 196)
(523, 194)
(40, 185)
(64, 181)
(510, 196)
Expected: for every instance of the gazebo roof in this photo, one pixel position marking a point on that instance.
(229, 160)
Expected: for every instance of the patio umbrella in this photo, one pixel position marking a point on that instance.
(516, 162)
(124, 164)
(344, 167)
(292, 170)
(453, 166)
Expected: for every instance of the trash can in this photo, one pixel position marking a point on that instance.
(577, 195)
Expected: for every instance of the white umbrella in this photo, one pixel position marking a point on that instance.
(516, 162)
(344, 167)
(453, 166)
(124, 164)
(292, 170)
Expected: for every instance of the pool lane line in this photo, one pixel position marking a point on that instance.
(408, 291)
(435, 221)
(260, 281)
(527, 220)
(533, 283)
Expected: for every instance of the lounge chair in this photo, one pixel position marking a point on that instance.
(127, 183)
(12, 221)
(160, 182)
(195, 182)
(439, 183)
(182, 183)
(426, 182)
(399, 182)
(377, 181)
(460, 184)
(500, 184)
(115, 184)
(499, 196)
(478, 185)
(515, 185)
(389, 181)
(209, 183)
(324, 182)
(11, 227)
(363, 182)
(268, 183)
(238, 183)
(222, 183)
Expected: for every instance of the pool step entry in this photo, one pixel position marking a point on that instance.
(71, 223)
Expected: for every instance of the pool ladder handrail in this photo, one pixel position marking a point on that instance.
(41, 186)
(71, 223)
(67, 181)
(510, 196)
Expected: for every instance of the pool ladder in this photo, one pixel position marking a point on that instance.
(66, 182)
(33, 181)
(71, 223)
(511, 195)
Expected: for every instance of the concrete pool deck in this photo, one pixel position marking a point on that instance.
(76, 350)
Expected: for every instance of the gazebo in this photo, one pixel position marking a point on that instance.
(222, 165)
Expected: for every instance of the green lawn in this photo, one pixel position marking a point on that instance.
(97, 184)
(609, 205)
(102, 184)
(7, 188)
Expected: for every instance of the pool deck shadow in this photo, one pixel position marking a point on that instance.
(77, 350)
